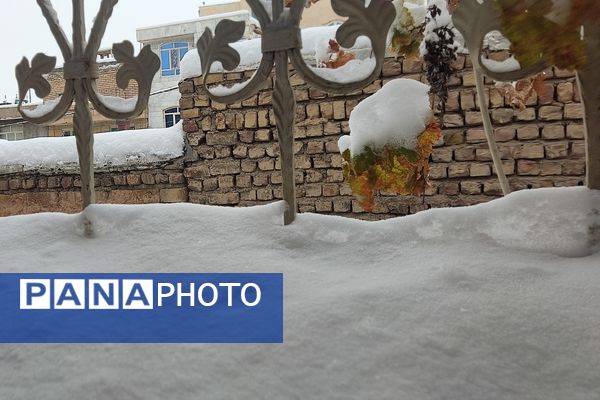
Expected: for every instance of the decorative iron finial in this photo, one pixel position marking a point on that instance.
(80, 74)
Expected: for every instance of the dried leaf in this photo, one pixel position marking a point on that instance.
(453, 5)
(337, 56)
(519, 93)
(440, 54)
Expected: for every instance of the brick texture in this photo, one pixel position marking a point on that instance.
(541, 146)
(232, 153)
(47, 191)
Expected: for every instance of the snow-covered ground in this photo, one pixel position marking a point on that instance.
(111, 149)
(472, 303)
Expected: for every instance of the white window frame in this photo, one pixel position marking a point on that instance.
(12, 132)
(174, 112)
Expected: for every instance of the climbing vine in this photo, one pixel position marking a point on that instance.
(392, 168)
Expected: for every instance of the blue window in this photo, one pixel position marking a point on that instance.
(172, 116)
(170, 56)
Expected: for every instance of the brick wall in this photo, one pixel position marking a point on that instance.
(106, 85)
(59, 191)
(232, 157)
(232, 152)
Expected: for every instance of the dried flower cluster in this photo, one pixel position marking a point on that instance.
(439, 52)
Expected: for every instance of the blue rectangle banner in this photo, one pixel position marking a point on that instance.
(141, 308)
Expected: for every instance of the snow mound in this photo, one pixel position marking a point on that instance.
(111, 149)
(397, 114)
(549, 220)
(445, 304)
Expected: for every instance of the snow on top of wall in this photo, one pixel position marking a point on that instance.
(119, 104)
(315, 42)
(397, 114)
(41, 109)
(508, 65)
(353, 71)
(251, 50)
(111, 149)
(445, 304)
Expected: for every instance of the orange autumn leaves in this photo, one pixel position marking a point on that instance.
(391, 168)
(518, 93)
(338, 57)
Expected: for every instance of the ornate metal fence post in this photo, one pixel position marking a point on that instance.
(80, 73)
(475, 20)
(282, 41)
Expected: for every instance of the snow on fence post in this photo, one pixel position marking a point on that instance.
(281, 41)
(80, 74)
(475, 21)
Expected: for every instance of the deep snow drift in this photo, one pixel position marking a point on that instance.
(472, 303)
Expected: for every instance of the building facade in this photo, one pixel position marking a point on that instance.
(171, 42)
(13, 127)
(318, 14)
(107, 86)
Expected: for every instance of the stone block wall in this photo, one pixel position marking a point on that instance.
(105, 84)
(232, 155)
(59, 191)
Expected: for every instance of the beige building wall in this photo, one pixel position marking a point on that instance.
(213, 9)
(318, 14)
